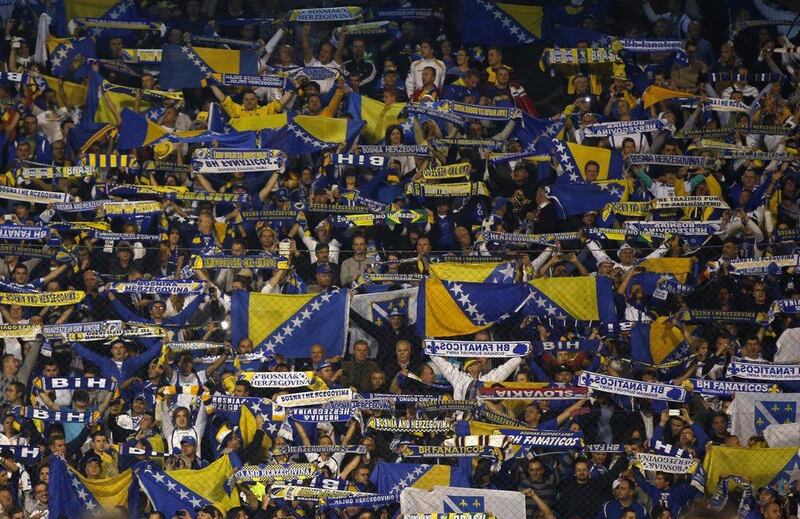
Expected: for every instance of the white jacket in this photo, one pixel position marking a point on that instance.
(462, 381)
(414, 78)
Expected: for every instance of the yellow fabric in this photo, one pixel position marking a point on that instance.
(664, 338)
(528, 16)
(758, 464)
(472, 272)
(237, 111)
(76, 93)
(120, 100)
(87, 8)
(327, 129)
(583, 154)
(679, 267)
(654, 94)
(715, 189)
(52, 42)
(209, 482)
(576, 295)
(443, 317)
(267, 312)
(248, 428)
(378, 117)
(109, 492)
(222, 61)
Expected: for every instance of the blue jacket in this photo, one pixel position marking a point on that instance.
(108, 368)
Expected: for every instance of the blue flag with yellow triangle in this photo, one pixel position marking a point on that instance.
(73, 51)
(189, 489)
(137, 131)
(500, 272)
(376, 115)
(71, 495)
(488, 22)
(581, 197)
(583, 298)
(573, 159)
(187, 67)
(308, 134)
(450, 308)
(655, 342)
(392, 478)
(289, 324)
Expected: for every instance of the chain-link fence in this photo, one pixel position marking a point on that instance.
(222, 366)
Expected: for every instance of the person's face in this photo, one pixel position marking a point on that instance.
(250, 101)
(20, 275)
(403, 351)
(729, 250)
(582, 471)
(325, 53)
(157, 310)
(361, 352)
(267, 238)
(427, 375)
(773, 511)
(100, 443)
(358, 49)
(323, 255)
(503, 76)
(361, 475)
(23, 151)
(535, 471)
(626, 256)
(115, 45)
(426, 50)
(186, 365)
(396, 136)
(423, 245)
(519, 176)
(59, 447)
(532, 414)
(687, 436)
(462, 58)
(592, 172)
(760, 293)
(719, 425)
(623, 492)
(428, 77)
(182, 419)
(314, 104)
(285, 54)
(93, 469)
(390, 78)
(359, 245)
(41, 493)
(377, 379)
(661, 482)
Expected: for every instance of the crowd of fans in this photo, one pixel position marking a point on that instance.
(424, 62)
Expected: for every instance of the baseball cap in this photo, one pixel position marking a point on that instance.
(500, 202)
(324, 364)
(468, 363)
(323, 268)
(189, 439)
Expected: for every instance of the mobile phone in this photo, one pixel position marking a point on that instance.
(674, 412)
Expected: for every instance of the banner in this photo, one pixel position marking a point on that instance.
(66, 298)
(538, 439)
(321, 414)
(382, 28)
(325, 14)
(722, 388)
(56, 172)
(626, 128)
(714, 104)
(400, 150)
(656, 46)
(161, 286)
(23, 453)
(79, 207)
(633, 388)
(81, 331)
(457, 502)
(528, 391)
(670, 160)
(207, 160)
(763, 371)
(498, 349)
(433, 111)
(681, 202)
(661, 463)
(23, 232)
(20, 331)
(240, 262)
(486, 112)
(755, 267)
(721, 316)
(322, 449)
(25, 251)
(32, 195)
(366, 501)
(436, 451)
(275, 472)
(351, 159)
(585, 345)
(46, 415)
(131, 208)
(468, 143)
(264, 379)
(194, 345)
(450, 171)
(577, 56)
(88, 383)
(409, 426)
(114, 236)
(458, 189)
(310, 398)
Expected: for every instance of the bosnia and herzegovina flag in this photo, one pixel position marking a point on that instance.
(66, 10)
(186, 67)
(71, 495)
(655, 94)
(392, 478)
(488, 22)
(375, 114)
(582, 197)
(763, 467)
(573, 158)
(63, 52)
(583, 298)
(655, 342)
(137, 131)
(300, 134)
(289, 324)
(501, 272)
(681, 268)
(189, 489)
(450, 308)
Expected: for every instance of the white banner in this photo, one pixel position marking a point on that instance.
(445, 348)
(662, 463)
(280, 379)
(499, 503)
(309, 398)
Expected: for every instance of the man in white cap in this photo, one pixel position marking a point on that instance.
(626, 254)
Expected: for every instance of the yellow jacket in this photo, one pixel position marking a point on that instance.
(237, 111)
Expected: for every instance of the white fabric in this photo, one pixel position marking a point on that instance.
(502, 504)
